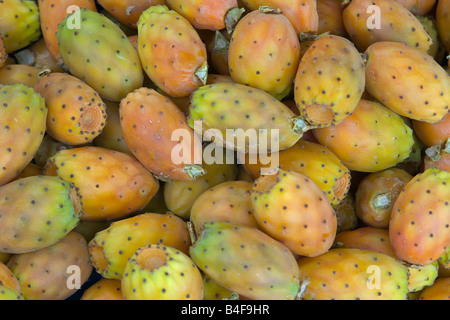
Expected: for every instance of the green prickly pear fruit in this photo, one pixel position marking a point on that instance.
(354, 274)
(330, 81)
(22, 114)
(421, 277)
(54, 272)
(214, 291)
(264, 52)
(157, 272)
(419, 88)
(7, 278)
(372, 139)
(6, 293)
(419, 228)
(368, 22)
(171, 51)
(110, 249)
(247, 261)
(37, 212)
(100, 54)
(19, 24)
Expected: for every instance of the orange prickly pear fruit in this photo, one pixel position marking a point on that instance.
(348, 274)
(330, 17)
(149, 120)
(128, 11)
(113, 184)
(104, 289)
(373, 138)
(419, 88)
(430, 26)
(171, 51)
(52, 13)
(420, 226)
(19, 73)
(330, 81)
(432, 134)
(391, 21)
(440, 290)
(8, 279)
(302, 14)
(217, 78)
(423, 7)
(376, 194)
(408, 4)
(76, 113)
(110, 249)
(30, 170)
(264, 52)
(443, 21)
(440, 160)
(292, 209)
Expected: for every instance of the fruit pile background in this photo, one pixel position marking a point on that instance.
(94, 207)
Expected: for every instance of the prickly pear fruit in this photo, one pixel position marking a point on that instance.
(372, 139)
(7, 293)
(45, 274)
(113, 184)
(390, 21)
(37, 212)
(420, 277)
(247, 261)
(111, 248)
(302, 14)
(348, 274)
(292, 209)
(52, 13)
(376, 194)
(88, 229)
(30, 170)
(440, 160)
(19, 73)
(330, 81)
(346, 216)
(47, 149)
(128, 11)
(330, 17)
(208, 14)
(104, 289)
(3, 54)
(432, 134)
(419, 88)
(408, 4)
(100, 54)
(157, 272)
(420, 224)
(430, 26)
(228, 201)
(19, 24)
(443, 21)
(181, 195)
(149, 120)
(264, 52)
(214, 291)
(245, 119)
(7, 278)
(423, 7)
(171, 51)
(440, 290)
(76, 113)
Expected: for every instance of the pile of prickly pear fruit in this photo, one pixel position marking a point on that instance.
(224, 150)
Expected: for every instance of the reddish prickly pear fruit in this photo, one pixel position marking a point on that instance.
(19, 73)
(354, 274)
(19, 24)
(54, 272)
(179, 196)
(302, 14)
(432, 134)
(171, 51)
(247, 261)
(3, 54)
(330, 17)
(7, 293)
(110, 249)
(113, 184)
(376, 194)
(7, 278)
(52, 13)
(104, 289)
(220, 108)
(440, 290)
(441, 160)
(390, 22)
(208, 14)
(22, 114)
(346, 216)
(292, 209)
(76, 113)
(264, 52)
(157, 272)
(128, 11)
(228, 201)
(330, 81)
(100, 54)
(443, 21)
(149, 121)
(214, 291)
(418, 85)
(372, 139)
(36, 212)
(420, 225)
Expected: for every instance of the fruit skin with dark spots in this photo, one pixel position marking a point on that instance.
(19, 73)
(76, 113)
(171, 51)
(432, 134)
(157, 272)
(104, 289)
(6, 293)
(420, 224)
(22, 114)
(100, 54)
